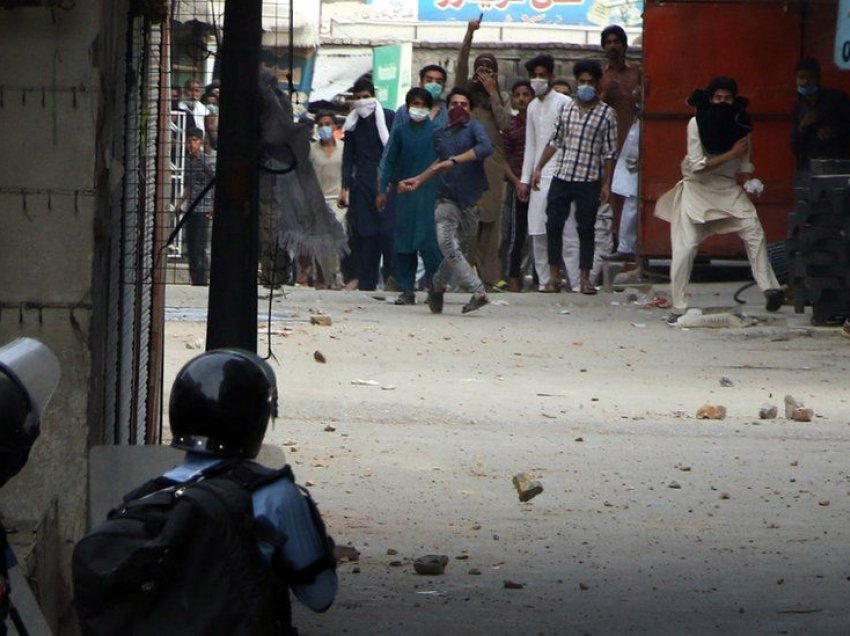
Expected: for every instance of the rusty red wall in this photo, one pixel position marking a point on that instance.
(687, 43)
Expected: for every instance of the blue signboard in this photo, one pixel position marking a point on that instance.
(550, 12)
(842, 36)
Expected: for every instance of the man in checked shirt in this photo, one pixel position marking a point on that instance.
(587, 133)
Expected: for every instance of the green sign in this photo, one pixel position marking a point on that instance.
(391, 73)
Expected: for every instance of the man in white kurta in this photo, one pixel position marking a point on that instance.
(625, 183)
(707, 201)
(541, 118)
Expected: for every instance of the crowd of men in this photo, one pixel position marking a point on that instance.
(446, 192)
(474, 189)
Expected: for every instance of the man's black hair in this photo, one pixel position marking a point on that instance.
(808, 64)
(418, 91)
(457, 90)
(325, 113)
(614, 30)
(561, 82)
(544, 60)
(722, 83)
(196, 132)
(588, 66)
(363, 85)
(433, 67)
(519, 83)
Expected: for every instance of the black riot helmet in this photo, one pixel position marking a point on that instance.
(221, 403)
(29, 374)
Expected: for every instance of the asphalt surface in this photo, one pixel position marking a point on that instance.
(650, 522)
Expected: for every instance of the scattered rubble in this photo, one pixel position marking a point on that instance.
(346, 553)
(796, 411)
(322, 320)
(330, 428)
(527, 486)
(319, 357)
(711, 412)
(768, 412)
(431, 564)
(197, 343)
(726, 382)
(513, 585)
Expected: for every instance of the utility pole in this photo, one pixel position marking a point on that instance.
(232, 315)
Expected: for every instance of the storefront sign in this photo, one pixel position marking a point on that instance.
(550, 12)
(391, 73)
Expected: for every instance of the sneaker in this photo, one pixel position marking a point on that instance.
(672, 319)
(435, 301)
(774, 299)
(476, 302)
(405, 298)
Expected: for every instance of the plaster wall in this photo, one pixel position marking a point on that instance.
(50, 104)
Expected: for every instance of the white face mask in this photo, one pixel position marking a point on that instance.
(539, 85)
(418, 114)
(365, 107)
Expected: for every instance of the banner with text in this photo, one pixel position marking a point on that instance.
(550, 12)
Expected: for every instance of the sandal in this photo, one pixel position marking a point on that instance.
(587, 289)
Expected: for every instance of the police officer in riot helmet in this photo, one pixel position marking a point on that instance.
(219, 409)
(29, 374)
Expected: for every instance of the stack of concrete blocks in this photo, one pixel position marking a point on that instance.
(818, 245)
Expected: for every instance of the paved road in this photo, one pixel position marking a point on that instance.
(651, 521)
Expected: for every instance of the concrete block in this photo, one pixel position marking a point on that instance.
(711, 412)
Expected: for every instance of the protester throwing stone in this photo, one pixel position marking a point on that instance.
(462, 146)
(708, 199)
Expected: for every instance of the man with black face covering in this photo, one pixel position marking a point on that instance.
(708, 199)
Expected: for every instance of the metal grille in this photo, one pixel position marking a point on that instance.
(132, 251)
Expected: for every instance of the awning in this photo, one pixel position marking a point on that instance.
(335, 72)
(275, 19)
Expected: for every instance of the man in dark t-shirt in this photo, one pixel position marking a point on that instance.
(821, 118)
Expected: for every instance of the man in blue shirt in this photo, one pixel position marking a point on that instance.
(462, 146)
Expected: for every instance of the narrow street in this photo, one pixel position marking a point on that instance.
(651, 521)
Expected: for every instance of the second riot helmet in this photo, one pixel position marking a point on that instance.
(221, 402)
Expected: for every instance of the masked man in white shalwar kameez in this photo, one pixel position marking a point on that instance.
(708, 199)
(541, 117)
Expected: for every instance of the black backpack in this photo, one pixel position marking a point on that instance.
(183, 558)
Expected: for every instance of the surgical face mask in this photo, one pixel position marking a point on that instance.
(418, 114)
(807, 91)
(586, 93)
(539, 85)
(435, 89)
(326, 133)
(365, 107)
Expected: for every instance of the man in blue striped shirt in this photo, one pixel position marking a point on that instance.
(587, 133)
